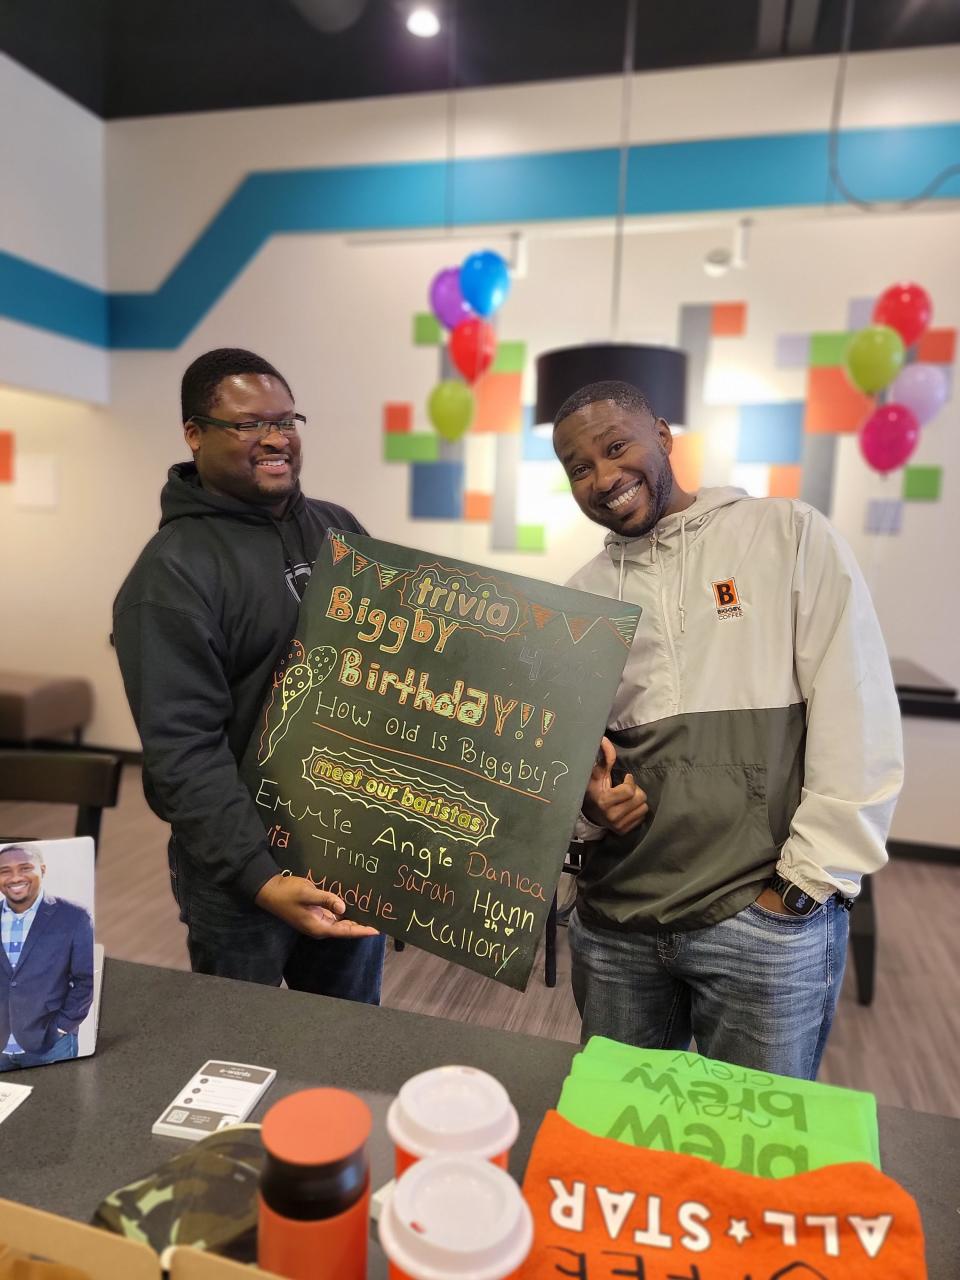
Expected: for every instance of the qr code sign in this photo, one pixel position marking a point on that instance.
(178, 1116)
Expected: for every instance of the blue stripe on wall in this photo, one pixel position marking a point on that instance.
(678, 177)
(47, 300)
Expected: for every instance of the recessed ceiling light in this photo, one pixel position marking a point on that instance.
(423, 22)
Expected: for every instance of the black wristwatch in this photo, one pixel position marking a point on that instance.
(796, 900)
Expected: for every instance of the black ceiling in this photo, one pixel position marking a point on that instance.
(151, 57)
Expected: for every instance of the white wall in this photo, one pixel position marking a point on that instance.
(52, 214)
(335, 316)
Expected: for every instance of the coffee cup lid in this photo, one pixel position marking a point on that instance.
(452, 1109)
(456, 1218)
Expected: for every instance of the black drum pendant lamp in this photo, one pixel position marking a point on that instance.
(659, 372)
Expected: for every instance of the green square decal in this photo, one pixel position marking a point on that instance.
(510, 357)
(922, 484)
(410, 446)
(531, 537)
(426, 330)
(829, 348)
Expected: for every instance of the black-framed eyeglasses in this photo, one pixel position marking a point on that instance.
(254, 430)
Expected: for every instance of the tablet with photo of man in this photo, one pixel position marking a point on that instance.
(47, 960)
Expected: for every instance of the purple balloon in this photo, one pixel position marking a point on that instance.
(447, 300)
(922, 388)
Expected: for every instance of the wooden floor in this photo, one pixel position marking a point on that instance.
(904, 1048)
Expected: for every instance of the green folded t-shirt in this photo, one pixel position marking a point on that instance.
(754, 1121)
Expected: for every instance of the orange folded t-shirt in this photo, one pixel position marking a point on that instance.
(603, 1210)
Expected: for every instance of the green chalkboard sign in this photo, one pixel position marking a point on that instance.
(425, 746)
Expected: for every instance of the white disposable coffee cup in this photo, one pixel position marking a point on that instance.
(455, 1218)
(452, 1110)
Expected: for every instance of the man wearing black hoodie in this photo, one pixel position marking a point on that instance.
(199, 626)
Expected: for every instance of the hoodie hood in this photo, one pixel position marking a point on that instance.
(689, 520)
(673, 527)
(184, 497)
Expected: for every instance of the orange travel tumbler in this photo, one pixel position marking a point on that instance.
(315, 1188)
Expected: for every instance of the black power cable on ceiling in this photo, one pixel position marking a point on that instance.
(869, 206)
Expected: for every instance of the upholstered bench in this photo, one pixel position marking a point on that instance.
(34, 708)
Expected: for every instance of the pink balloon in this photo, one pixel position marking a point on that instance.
(921, 388)
(888, 437)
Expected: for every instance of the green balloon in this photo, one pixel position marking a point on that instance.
(874, 357)
(450, 409)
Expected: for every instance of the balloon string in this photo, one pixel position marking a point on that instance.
(881, 532)
(629, 44)
(448, 202)
(833, 151)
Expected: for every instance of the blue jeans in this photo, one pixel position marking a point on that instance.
(758, 990)
(65, 1047)
(231, 938)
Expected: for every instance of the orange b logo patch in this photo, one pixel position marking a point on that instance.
(726, 598)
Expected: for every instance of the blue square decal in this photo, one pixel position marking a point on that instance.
(537, 446)
(771, 433)
(436, 490)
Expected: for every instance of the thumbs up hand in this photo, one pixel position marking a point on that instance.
(620, 808)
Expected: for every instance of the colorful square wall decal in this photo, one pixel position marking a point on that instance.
(6, 457)
(834, 405)
(922, 484)
(478, 507)
(427, 331)
(829, 348)
(686, 460)
(771, 432)
(785, 480)
(938, 346)
(398, 417)
(537, 445)
(792, 351)
(510, 357)
(531, 537)
(411, 446)
(884, 515)
(498, 406)
(860, 313)
(436, 491)
(728, 319)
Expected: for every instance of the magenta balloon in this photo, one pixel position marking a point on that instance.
(921, 388)
(447, 300)
(888, 437)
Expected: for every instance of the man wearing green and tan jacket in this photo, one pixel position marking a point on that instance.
(752, 762)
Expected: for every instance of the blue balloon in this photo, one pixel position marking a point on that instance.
(484, 281)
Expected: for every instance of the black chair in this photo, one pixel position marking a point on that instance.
(863, 941)
(571, 867)
(88, 779)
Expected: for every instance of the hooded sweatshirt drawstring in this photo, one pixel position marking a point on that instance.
(683, 572)
(623, 552)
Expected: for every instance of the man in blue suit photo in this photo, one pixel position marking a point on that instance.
(46, 965)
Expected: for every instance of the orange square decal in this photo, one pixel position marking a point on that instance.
(686, 459)
(477, 506)
(729, 319)
(937, 346)
(834, 405)
(398, 417)
(6, 457)
(498, 397)
(785, 480)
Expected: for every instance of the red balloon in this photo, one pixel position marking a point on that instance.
(906, 308)
(473, 344)
(889, 436)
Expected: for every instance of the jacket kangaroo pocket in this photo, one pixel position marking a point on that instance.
(706, 840)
